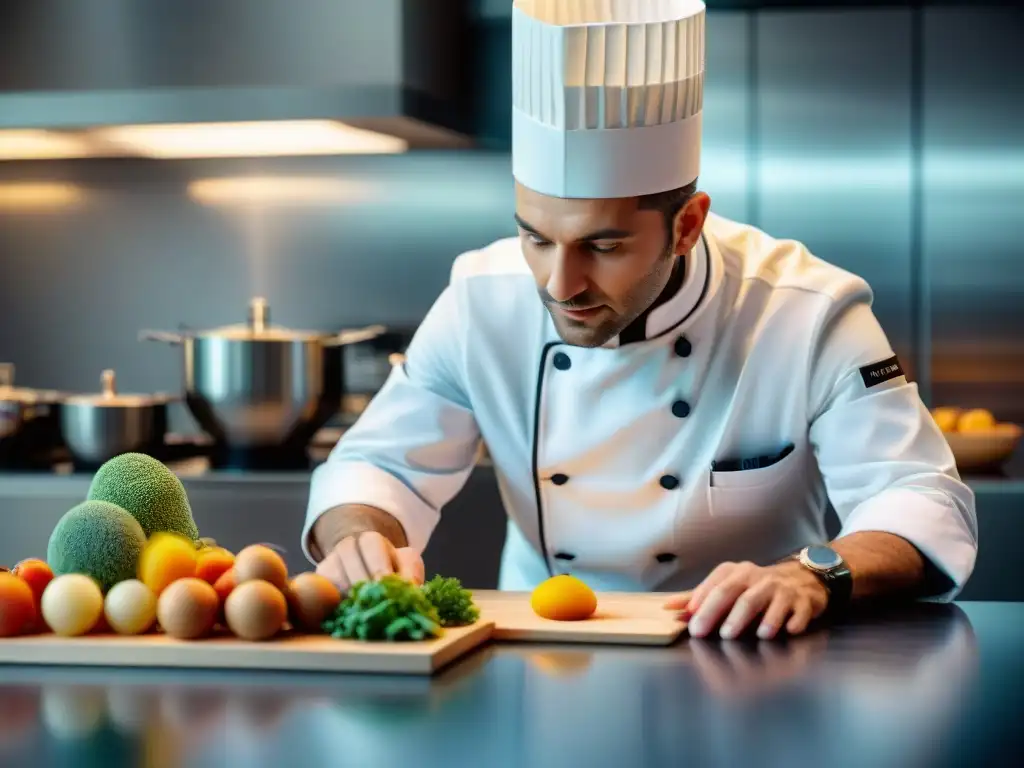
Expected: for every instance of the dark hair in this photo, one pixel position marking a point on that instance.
(669, 203)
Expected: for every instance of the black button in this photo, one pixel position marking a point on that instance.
(665, 557)
(669, 483)
(564, 556)
(683, 347)
(562, 361)
(681, 408)
(559, 479)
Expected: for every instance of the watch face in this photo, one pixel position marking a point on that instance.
(823, 557)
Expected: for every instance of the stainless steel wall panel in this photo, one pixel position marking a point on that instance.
(133, 245)
(725, 163)
(973, 203)
(834, 146)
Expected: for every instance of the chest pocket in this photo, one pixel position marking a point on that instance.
(758, 486)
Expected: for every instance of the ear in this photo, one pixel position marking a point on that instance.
(690, 222)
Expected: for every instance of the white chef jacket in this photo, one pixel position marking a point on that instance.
(763, 391)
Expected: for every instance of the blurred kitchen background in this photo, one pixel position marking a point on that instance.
(886, 136)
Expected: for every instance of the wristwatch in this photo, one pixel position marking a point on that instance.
(829, 566)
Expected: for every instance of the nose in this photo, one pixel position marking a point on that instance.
(568, 277)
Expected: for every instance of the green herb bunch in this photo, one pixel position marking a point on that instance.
(389, 609)
(454, 604)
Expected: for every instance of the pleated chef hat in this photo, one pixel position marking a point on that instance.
(607, 96)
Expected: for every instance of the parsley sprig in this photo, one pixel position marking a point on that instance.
(453, 603)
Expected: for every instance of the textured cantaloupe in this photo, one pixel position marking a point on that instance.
(98, 539)
(149, 491)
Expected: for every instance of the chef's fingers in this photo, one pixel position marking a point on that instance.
(712, 580)
(802, 615)
(332, 569)
(348, 551)
(378, 554)
(749, 606)
(718, 602)
(776, 615)
(410, 565)
(677, 602)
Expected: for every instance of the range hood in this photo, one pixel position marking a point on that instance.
(180, 78)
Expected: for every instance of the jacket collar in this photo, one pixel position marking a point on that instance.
(702, 276)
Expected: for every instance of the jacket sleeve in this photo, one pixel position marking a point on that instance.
(413, 448)
(885, 463)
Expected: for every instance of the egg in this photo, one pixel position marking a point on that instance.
(187, 609)
(255, 610)
(312, 598)
(72, 604)
(258, 562)
(130, 607)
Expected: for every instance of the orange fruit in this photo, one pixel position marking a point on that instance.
(212, 563)
(36, 573)
(166, 558)
(563, 598)
(224, 584)
(18, 611)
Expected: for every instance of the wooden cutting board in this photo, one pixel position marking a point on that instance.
(303, 653)
(620, 618)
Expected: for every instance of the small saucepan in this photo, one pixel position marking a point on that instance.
(99, 427)
(30, 430)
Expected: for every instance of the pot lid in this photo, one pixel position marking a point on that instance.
(258, 328)
(9, 392)
(110, 397)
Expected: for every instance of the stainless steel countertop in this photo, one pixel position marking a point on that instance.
(933, 687)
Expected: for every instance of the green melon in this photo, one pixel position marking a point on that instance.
(149, 491)
(98, 539)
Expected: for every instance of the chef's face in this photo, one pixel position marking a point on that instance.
(599, 264)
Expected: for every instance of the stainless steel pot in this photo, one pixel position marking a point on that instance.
(99, 427)
(30, 431)
(255, 385)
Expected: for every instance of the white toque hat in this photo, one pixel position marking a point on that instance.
(607, 96)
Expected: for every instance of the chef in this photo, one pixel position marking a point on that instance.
(672, 401)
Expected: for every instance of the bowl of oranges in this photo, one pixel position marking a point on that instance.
(977, 439)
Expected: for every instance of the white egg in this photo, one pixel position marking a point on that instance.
(130, 607)
(72, 604)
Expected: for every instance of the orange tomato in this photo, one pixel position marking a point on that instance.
(224, 584)
(18, 611)
(213, 563)
(36, 573)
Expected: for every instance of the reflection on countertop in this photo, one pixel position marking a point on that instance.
(923, 687)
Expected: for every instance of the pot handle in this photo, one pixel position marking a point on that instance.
(165, 336)
(355, 336)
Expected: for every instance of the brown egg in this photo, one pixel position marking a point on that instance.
(187, 609)
(312, 598)
(255, 610)
(259, 562)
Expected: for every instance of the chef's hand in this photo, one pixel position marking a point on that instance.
(736, 595)
(368, 556)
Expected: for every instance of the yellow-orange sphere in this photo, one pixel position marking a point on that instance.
(563, 598)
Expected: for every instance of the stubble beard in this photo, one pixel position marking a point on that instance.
(642, 296)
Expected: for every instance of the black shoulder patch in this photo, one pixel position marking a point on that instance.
(876, 373)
